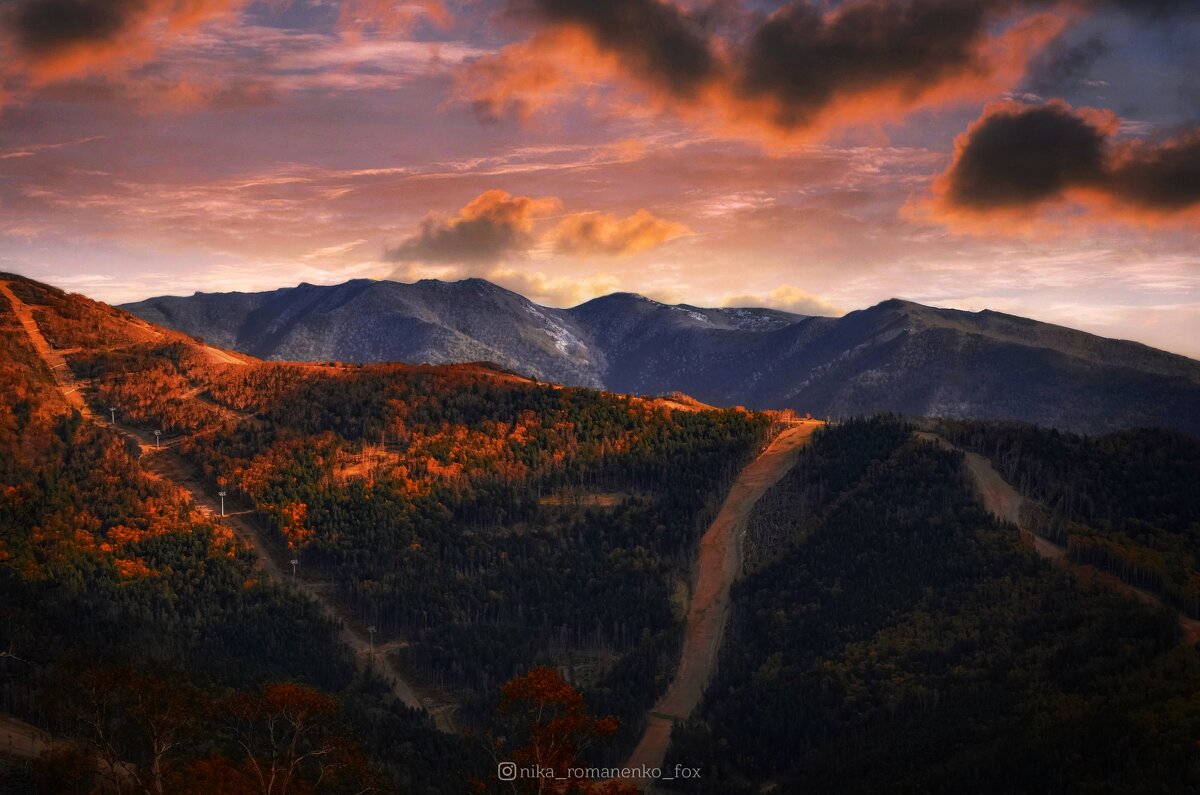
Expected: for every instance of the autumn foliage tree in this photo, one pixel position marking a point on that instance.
(292, 519)
(294, 742)
(542, 724)
(429, 498)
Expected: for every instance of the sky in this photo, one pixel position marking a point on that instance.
(1037, 157)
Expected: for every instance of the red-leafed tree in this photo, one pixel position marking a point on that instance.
(543, 725)
(294, 741)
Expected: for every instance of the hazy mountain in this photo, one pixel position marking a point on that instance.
(897, 355)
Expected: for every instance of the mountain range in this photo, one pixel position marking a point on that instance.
(895, 356)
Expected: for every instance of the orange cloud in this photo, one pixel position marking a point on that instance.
(490, 227)
(48, 40)
(496, 226)
(593, 233)
(798, 75)
(529, 77)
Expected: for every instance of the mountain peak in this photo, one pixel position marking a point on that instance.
(899, 303)
(622, 297)
(898, 355)
(470, 284)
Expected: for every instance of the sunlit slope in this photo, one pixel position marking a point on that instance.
(478, 521)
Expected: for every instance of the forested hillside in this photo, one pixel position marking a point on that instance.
(1126, 502)
(479, 523)
(459, 509)
(896, 638)
(507, 547)
(138, 626)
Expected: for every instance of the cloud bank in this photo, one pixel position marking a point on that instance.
(800, 70)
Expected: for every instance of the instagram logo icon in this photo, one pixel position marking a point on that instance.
(506, 771)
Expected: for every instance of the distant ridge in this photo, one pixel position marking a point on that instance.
(895, 356)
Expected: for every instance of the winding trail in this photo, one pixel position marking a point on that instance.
(54, 361)
(1006, 503)
(163, 461)
(720, 563)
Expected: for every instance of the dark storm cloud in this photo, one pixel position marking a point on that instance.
(46, 41)
(652, 37)
(42, 26)
(1161, 178)
(788, 67)
(805, 60)
(790, 64)
(1017, 157)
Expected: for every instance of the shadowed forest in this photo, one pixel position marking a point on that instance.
(893, 636)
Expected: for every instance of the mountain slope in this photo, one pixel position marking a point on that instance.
(464, 524)
(470, 524)
(367, 321)
(905, 357)
(122, 594)
(895, 356)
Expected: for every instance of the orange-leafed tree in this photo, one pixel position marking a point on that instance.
(292, 518)
(543, 725)
(294, 742)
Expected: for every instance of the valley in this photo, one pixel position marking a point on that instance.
(1003, 501)
(893, 634)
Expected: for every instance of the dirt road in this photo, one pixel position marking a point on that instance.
(222, 357)
(1005, 503)
(720, 563)
(54, 361)
(21, 740)
(165, 462)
